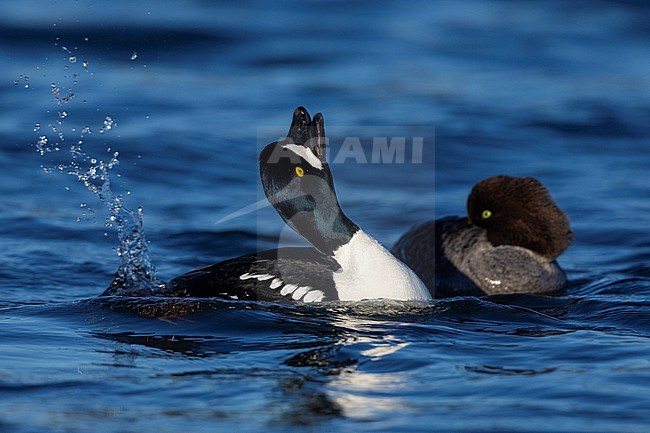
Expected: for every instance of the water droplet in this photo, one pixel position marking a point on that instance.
(134, 55)
(41, 144)
(72, 59)
(108, 124)
(23, 79)
(63, 114)
(37, 127)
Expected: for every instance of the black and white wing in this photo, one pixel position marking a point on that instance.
(291, 274)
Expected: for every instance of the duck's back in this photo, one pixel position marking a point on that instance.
(423, 250)
(298, 274)
(454, 258)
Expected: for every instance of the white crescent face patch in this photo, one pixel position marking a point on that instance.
(305, 154)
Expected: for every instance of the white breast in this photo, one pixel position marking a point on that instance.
(369, 271)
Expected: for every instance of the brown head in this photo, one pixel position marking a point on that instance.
(519, 211)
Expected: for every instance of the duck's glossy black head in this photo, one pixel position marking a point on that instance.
(519, 211)
(298, 182)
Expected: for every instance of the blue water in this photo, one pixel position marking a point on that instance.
(556, 90)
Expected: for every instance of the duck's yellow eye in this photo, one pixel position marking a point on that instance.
(300, 172)
(486, 214)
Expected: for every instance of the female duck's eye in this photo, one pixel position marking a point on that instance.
(486, 214)
(300, 172)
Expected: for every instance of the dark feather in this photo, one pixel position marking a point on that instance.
(422, 249)
(300, 266)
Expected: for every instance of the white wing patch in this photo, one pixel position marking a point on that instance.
(300, 292)
(307, 293)
(259, 277)
(314, 296)
(306, 154)
(288, 289)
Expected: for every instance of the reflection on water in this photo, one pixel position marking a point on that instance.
(347, 371)
(365, 395)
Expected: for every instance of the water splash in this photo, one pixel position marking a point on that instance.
(136, 274)
(108, 125)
